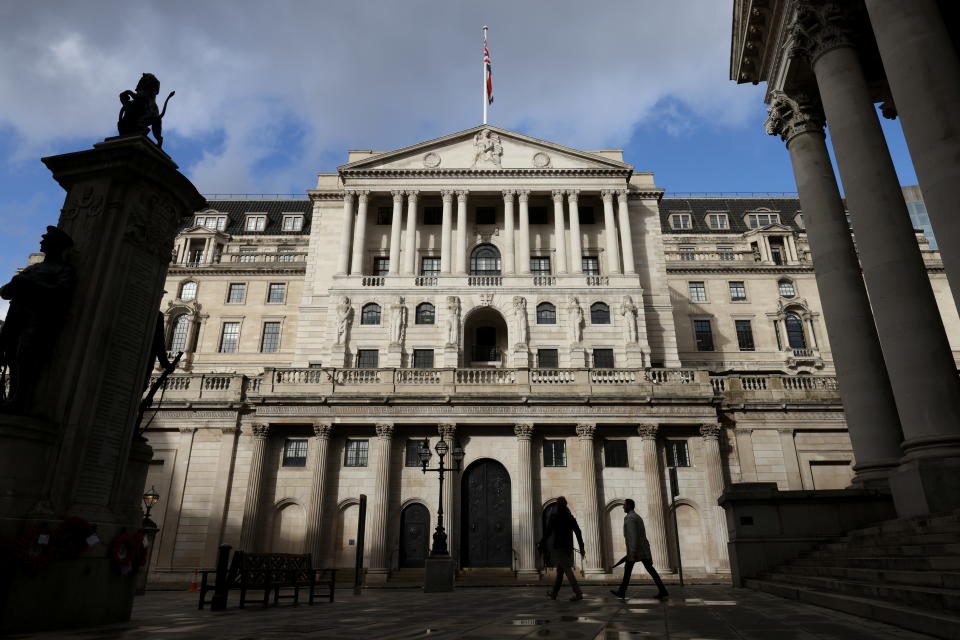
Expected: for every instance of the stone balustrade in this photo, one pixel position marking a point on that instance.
(515, 282)
(709, 256)
(240, 258)
(205, 386)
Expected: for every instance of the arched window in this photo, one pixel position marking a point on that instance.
(485, 261)
(179, 332)
(599, 313)
(786, 288)
(370, 314)
(425, 313)
(546, 313)
(188, 291)
(794, 326)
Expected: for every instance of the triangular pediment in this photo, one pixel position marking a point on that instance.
(485, 148)
(776, 227)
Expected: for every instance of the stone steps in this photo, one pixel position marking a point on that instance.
(874, 561)
(916, 578)
(936, 598)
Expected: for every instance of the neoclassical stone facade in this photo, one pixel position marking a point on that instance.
(575, 331)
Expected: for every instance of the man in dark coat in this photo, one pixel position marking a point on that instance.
(638, 550)
(562, 526)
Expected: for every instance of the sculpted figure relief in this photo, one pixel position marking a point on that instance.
(398, 321)
(487, 148)
(576, 320)
(520, 313)
(453, 320)
(344, 314)
(629, 312)
(139, 113)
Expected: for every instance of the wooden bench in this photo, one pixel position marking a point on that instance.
(272, 573)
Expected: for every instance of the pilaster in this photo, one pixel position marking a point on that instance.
(380, 505)
(592, 563)
(525, 544)
(315, 540)
(653, 480)
(716, 516)
(250, 530)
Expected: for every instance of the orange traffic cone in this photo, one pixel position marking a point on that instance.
(193, 584)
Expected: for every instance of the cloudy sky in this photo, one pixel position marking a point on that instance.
(270, 93)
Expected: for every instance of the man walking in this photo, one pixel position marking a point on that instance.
(562, 525)
(638, 550)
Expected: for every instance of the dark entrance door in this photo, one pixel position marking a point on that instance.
(486, 524)
(485, 344)
(548, 543)
(414, 535)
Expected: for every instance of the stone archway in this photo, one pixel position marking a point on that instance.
(485, 338)
(414, 535)
(486, 524)
(289, 528)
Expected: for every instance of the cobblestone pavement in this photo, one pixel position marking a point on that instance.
(698, 612)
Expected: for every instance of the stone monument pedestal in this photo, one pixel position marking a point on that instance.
(438, 574)
(338, 356)
(578, 357)
(635, 358)
(451, 356)
(394, 356)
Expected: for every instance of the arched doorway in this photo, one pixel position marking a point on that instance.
(289, 529)
(484, 338)
(346, 540)
(487, 534)
(546, 552)
(691, 537)
(414, 535)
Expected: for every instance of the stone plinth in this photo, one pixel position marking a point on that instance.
(438, 574)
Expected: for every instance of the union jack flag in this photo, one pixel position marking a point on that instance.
(486, 62)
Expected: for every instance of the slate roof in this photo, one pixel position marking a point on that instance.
(237, 209)
(735, 208)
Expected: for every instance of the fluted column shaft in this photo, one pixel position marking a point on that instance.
(559, 235)
(626, 236)
(576, 252)
(655, 521)
(715, 485)
(460, 263)
(446, 231)
(525, 544)
(315, 539)
(508, 240)
(591, 518)
(346, 234)
(523, 245)
(360, 233)
(410, 244)
(396, 224)
(251, 507)
(380, 505)
(610, 233)
(451, 490)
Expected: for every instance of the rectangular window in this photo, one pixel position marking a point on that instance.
(270, 342)
(554, 453)
(687, 254)
(217, 223)
(603, 358)
(229, 337)
(255, 223)
(538, 215)
(368, 358)
(586, 215)
(590, 265)
(248, 254)
(698, 291)
(704, 335)
(677, 454)
(738, 291)
(548, 359)
(277, 292)
(615, 453)
(718, 221)
(411, 457)
(726, 253)
(285, 254)
(776, 253)
(486, 215)
(236, 292)
(681, 221)
(295, 452)
(384, 215)
(355, 453)
(292, 222)
(540, 265)
(423, 358)
(744, 335)
(429, 266)
(381, 266)
(758, 220)
(432, 215)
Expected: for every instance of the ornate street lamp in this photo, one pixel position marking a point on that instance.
(150, 498)
(150, 529)
(439, 535)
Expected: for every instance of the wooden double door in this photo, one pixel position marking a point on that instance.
(414, 535)
(486, 525)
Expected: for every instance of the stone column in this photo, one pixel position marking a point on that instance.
(525, 543)
(380, 506)
(715, 515)
(460, 262)
(576, 252)
(922, 67)
(446, 231)
(610, 233)
(410, 241)
(315, 539)
(655, 521)
(396, 223)
(508, 238)
(626, 236)
(871, 414)
(249, 532)
(915, 347)
(360, 233)
(178, 486)
(559, 235)
(523, 248)
(346, 233)
(451, 487)
(592, 563)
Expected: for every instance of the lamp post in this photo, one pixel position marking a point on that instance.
(150, 529)
(438, 575)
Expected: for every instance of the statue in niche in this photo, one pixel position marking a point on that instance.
(344, 313)
(520, 313)
(629, 312)
(398, 321)
(39, 299)
(453, 320)
(487, 148)
(576, 320)
(139, 113)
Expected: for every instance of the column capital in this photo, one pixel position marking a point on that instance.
(817, 29)
(362, 194)
(322, 430)
(447, 194)
(447, 430)
(622, 193)
(648, 431)
(398, 195)
(462, 194)
(523, 194)
(607, 195)
(508, 194)
(523, 431)
(710, 431)
(585, 431)
(788, 117)
(260, 431)
(412, 194)
(558, 195)
(348, 195)
(384, 430)
(573, 194)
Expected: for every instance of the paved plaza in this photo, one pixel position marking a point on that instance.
(701, 612)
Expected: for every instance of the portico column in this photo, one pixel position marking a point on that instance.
(460, 263)
(915, 347)
(717, 517)
(655, 521)
(346, 233)
(523, 250)
(396, 223)
(626, 237)
(410, 245)
(591, 520)
(559, 235)
(360, 233)
(610, 233)
(380, 505)
(508, 260)
(922, 68)
(251, 507)
(451, 489)
(576, 252)
(871, 414)
(525, 543)
(315, 539)
(446, 231)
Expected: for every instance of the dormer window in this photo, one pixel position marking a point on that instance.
(760, 220)
(292, 222)
(255, 222)
(214, 223)
(681, 221)
(718, 221)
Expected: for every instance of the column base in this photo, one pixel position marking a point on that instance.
(376, 576)
(874, 475)
(438, 574)
(923, 486)
(528, 574)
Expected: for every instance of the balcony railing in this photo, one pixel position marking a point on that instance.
(709, 256)
(484, 281)
(194, 260)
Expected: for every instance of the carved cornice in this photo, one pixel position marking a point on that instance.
(648, 431)
(385, 431)
(484, 173)
(710, 431)
(322, 430)
(789, 117)
(523, 430)
(585, 431)
(325, 195)
(656, 194)
(246, 270)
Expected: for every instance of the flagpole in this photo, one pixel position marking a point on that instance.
(484, 65)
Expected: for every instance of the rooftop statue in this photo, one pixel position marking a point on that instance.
(139, 113)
